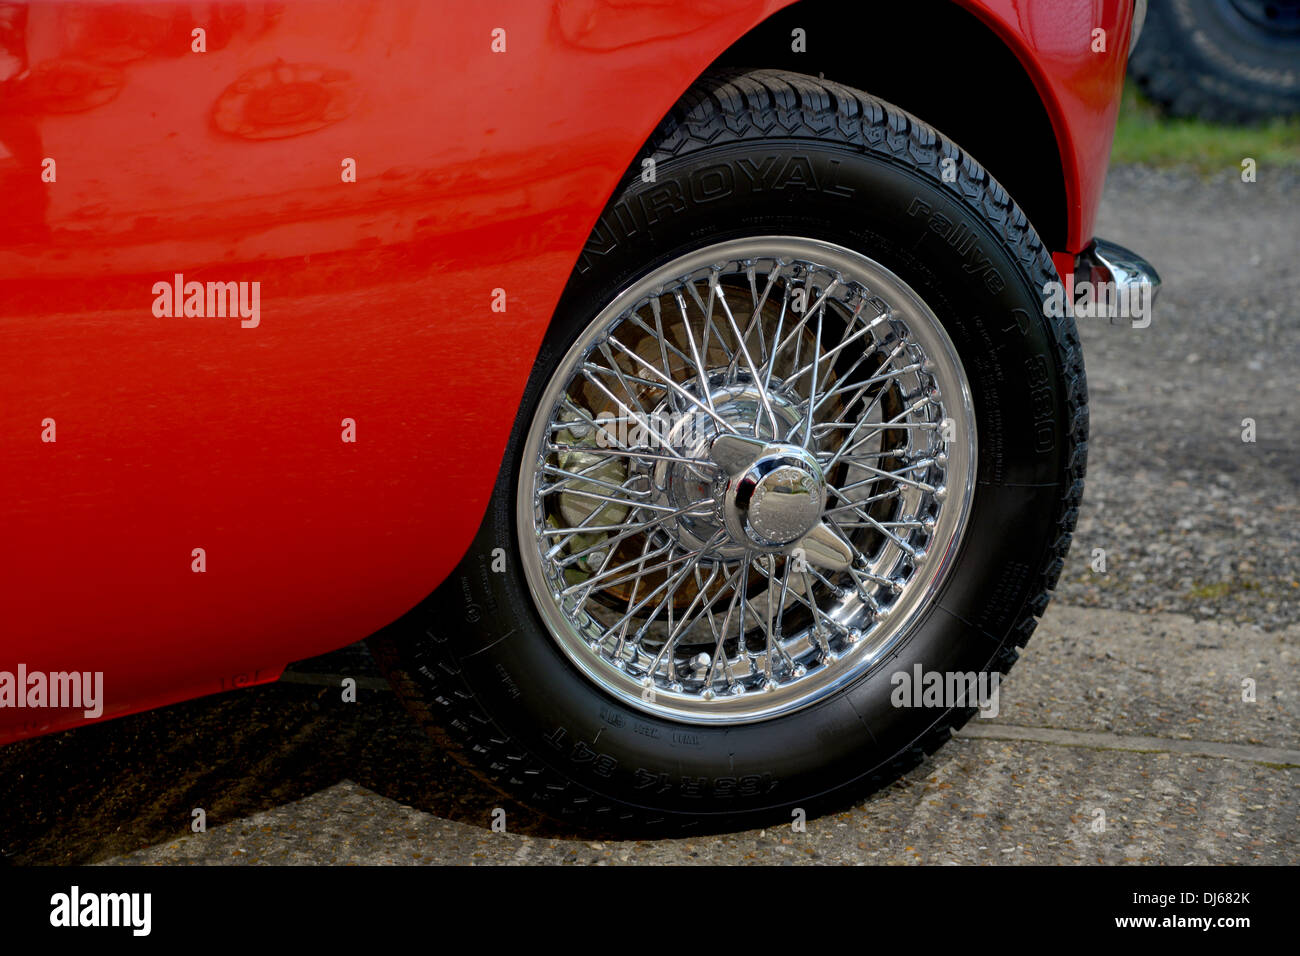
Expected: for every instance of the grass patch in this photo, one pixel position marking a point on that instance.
(1218, 590)
(1144, 136)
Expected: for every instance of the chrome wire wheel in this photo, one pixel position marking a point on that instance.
(746, 480)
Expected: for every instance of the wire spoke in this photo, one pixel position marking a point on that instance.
(650, 540)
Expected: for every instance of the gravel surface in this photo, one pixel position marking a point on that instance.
(1192, 518)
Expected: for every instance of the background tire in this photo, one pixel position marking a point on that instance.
(1223, 61)
(476, 663)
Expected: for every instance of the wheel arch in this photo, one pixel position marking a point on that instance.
(1029, 165)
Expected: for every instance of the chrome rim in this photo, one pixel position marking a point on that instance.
(746, 480)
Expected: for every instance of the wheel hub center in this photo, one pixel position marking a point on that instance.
(777, 500)
(781, 499)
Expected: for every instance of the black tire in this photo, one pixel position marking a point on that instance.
(475, 662)
(1224, 61)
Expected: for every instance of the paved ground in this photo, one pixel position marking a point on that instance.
(1126, 710)
(1192, 518)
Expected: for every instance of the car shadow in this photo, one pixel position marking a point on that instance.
(100, 791)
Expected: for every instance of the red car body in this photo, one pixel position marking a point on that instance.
(477, 171)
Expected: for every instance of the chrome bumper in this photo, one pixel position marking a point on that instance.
(1126, 272)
